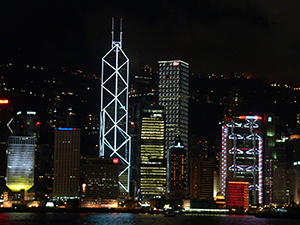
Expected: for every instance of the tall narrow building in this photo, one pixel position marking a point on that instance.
(173, 93)
(177, 188)
(151, 167)
(66, 163)
(201, 178)
(114, 140)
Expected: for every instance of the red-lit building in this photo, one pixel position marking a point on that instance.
(237, 194)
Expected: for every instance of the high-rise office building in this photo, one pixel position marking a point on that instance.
(6, 116)
(66, 163)
(201, 178)
(114, 140)
(173, 94)
(100, 188)
(20, 163)
(151, 169)
(271, 123)
(242, 155)
(177, 172)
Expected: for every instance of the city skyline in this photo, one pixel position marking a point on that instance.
(216, 106)
(260, 38)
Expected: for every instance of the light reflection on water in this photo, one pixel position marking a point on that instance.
(133, 219)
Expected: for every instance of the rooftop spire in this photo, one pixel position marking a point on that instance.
(113, 42)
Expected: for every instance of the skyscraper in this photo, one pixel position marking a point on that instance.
(177, 173)
(66, 163)
(242, 155)
(173, 96)
(271, 123)
(100, 188)
(201, 178)
(114, 140)
(6, 116)
(173, 93)
(20, 163)
(151, 168)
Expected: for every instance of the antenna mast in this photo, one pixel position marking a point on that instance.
(121, 32)
(112, 31)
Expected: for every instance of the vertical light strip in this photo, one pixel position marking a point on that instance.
(260, 170)
(224, 160)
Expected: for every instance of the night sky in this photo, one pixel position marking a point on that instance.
(261, 38)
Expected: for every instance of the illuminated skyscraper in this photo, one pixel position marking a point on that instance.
(114, 138)
(66, 163)
(20, 163)
(173, 94)
(151, 162)
(6, 116)
(270, 125)
(242, 155)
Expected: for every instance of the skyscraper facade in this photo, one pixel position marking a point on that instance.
(173, 96)
(201, 178)
(177, 172)
(151, 162)
(6, 117)
(20, 163)
(100, 188)
(114, 140)
(66, 163)
(173, 93)
(270, 125)
(242, 155)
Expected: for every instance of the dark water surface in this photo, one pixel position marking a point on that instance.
(131, 218)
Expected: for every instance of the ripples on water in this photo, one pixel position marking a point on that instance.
(133, 219)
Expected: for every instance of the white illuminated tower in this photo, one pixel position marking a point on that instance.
(114, 138)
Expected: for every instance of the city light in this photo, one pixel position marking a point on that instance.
(3, 101)
(250, 117)
(175, 63)
(115, 160)
(64, 128)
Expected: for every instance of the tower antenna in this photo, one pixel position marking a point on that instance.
(121, 32)
(112, 31)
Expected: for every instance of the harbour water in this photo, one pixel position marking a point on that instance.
(28, 218)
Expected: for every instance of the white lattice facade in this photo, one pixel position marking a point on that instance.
(114, 138)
